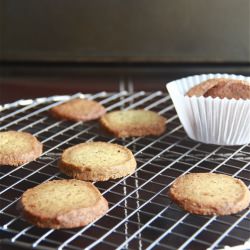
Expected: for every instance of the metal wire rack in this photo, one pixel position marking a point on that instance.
(141, 215)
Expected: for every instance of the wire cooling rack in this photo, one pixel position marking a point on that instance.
(141, 215)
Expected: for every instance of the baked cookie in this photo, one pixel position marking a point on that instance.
(210, 194)
(222, 88)
(126, 123)
(17, 148)
(78, 110)
(97, 161)
(62, 204)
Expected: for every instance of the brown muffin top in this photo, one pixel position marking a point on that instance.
(222, 88)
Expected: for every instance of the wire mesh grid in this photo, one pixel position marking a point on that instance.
(141, 215)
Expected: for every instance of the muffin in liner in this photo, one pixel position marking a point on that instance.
(211, 120)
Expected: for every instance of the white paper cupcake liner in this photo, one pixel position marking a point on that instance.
(211, 120)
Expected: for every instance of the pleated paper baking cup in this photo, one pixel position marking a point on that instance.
(211, 120)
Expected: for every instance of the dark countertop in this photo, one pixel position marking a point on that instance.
(30, 80)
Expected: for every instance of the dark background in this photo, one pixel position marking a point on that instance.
(62, 46)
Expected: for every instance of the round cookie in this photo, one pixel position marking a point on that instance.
(210, 194)
(62, 204)
(78, 110)
(97, 161)
(126, 123)
(17, 148)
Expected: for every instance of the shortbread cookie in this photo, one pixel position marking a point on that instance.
(78, 110)
(222, 88)
(62, 204)
(97, 161)
(210, 194)
(126, 123)
(17, 148)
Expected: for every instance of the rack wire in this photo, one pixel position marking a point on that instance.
(141, 215)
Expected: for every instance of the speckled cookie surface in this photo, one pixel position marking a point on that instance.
(127, 123)
(62, 204)
(222, 88)
(210, 194)
(78, 110)
(97, 161)
(17, 148)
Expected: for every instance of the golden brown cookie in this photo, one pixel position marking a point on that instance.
(17, 148)
(222, 88)
(126, 123)
(210, 194)
(78, 110)
(97, 161)
(62, 204)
